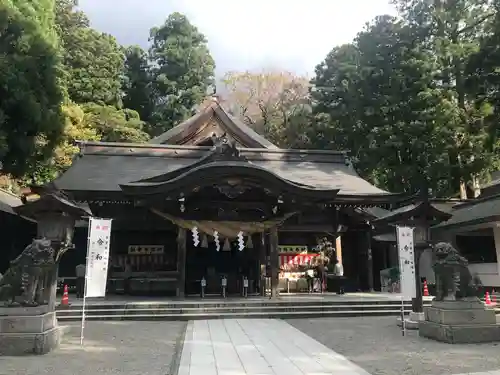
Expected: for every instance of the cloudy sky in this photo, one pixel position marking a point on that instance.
(292, 35)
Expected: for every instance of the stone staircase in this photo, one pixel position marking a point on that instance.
(206, 309)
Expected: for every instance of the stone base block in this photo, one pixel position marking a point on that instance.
(28, 323)
(26, 331)
(457, 313)
(460, 334)
(17, 344)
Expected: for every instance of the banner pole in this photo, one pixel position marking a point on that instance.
(403, 323)
(85, 283)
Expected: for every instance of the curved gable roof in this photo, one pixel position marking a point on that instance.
(190, 131)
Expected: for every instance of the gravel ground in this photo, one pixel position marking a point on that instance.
(376, 344)
(110, 348)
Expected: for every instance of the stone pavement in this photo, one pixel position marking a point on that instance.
(257, 347)
(110, 348)
(376, 344)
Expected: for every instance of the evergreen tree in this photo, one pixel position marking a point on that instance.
(30, 84)
(137, 83)
(94, 61)
(182, 71)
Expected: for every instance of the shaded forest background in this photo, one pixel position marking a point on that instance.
(414, 99)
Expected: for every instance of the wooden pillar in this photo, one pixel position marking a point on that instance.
(273, 252)
(369, 258)
(338, 249)
(181, 262)
(261, 274)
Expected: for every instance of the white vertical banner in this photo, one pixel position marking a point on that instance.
(406, 261)
(97, 257)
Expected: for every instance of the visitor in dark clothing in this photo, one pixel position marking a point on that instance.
(80, 280)
(321, 275)
(338, 271)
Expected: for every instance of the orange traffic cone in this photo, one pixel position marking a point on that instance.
(65, 297)
(426, 290)
(487, 299)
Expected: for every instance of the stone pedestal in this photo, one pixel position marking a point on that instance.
(460, 322)
(28, 330)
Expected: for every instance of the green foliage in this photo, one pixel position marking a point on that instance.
(396, 98)
(75, 129)
(115, 125)
(94, 61)
(182, 71)
(30, 84)
(483, 83)
(137, 83)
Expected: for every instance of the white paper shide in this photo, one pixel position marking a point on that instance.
(406, 261)
(98, 257)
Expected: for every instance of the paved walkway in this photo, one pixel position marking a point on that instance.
(257, 347)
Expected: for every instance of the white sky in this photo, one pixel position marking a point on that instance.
(292, 35)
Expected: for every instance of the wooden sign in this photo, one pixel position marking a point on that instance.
(146, 249)
(292, 249)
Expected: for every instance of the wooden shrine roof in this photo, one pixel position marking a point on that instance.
(8, 201)
(475, 211)
(439, 208)
(493, 187)
(214, 119)
(103, 167)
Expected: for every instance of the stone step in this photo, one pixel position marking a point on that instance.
(210, 311)
(229, 315)
(224, 309)
(221, 303)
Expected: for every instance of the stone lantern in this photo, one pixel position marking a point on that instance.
(420, 215)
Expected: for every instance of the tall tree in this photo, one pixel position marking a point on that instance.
(137, 83)
(483, 83)
(378, 99)
(30, 84)
(93, 61)
(451, 30)
(274, 103)
(182, 71)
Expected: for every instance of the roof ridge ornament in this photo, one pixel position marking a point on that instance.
(225, 149)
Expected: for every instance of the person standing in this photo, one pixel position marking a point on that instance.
(80, 280)
(321, 275)
(310, 280)
(338, 271)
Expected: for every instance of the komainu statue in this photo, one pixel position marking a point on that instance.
(22, 282)
(453, 278)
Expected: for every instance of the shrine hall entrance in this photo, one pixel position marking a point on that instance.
(211, 264)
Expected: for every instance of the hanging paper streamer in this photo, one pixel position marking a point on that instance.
(217, 242)
(241, 241)
(226, 247)
(196, 236)
(249, 243)
(204, 241)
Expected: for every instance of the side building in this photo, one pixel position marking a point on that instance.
(474, 229)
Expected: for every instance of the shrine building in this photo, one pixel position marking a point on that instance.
(212, 198)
